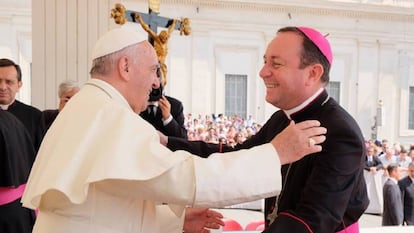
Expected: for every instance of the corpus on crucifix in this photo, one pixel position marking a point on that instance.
(150, 23)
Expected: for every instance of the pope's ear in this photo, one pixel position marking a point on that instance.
(123, 67)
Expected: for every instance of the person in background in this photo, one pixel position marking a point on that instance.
(403, 159)
(103, 168)
(372, 162)
(411, 153)
(10, 84)
(387, 157)
(406, 185)
(392, 214)
(67, 89)
(323, 192)
(165, 113)
(16, 155)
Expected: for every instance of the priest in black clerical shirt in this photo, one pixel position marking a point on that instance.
(10, 84)
(17, 156)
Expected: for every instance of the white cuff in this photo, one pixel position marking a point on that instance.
(167, 121)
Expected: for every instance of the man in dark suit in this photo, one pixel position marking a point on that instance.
(165, 113)
(392, 214)
(10, 84)
(167, 116)
(372, 162)
(323, 192)
(407, 194)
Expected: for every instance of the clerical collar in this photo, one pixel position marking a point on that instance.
(6, 106)
(304, 104)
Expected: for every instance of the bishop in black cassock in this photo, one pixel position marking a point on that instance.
(323, 192)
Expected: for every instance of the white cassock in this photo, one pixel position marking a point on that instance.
(102, 169)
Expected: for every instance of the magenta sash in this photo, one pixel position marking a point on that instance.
(353, 228)
(8, 195)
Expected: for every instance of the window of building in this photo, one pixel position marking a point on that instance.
(236, 95)
(334, 90)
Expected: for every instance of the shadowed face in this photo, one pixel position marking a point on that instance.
(9, 84)
(66, 97)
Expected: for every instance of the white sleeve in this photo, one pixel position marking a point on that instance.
(237, 177)
(220, 180)
(168, 220)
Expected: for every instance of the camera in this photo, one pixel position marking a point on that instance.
(156, 94)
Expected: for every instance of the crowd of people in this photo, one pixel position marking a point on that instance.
(381, 153)
(220, 128)
(397, 165)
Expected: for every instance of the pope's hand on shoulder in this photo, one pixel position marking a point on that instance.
(298, 140)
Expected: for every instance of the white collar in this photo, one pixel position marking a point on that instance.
(154, 103)
(6, 106)
(110, 90)
(304, 104)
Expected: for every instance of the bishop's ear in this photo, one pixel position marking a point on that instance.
(315, 73)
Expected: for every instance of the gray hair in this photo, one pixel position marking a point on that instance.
(105, 64)
(66, 86)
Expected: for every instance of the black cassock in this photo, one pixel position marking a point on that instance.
(323, 192)
(49, 117)
(31, 118)
(16, 158)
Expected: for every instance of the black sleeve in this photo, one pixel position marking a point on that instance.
(176, 127)
(199, 148)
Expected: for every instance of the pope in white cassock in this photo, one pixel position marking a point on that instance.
(101, 168)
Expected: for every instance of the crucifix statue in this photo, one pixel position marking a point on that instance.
(150, 23)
